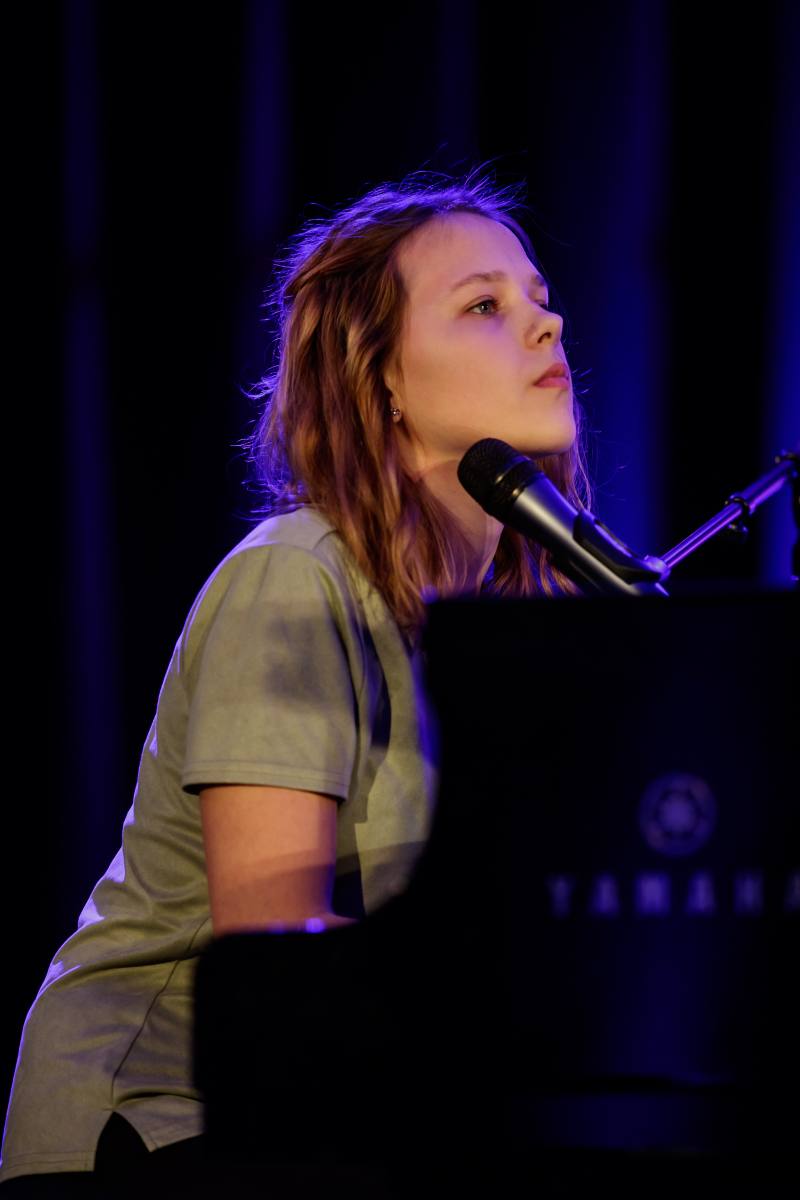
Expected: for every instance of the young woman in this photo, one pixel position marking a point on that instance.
(289, 774)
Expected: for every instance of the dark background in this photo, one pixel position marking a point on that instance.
(164, 151)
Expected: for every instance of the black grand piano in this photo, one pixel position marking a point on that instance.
(591, 979)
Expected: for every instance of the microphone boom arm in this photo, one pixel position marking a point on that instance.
(742, 505)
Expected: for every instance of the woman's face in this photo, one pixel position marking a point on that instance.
(471, 352)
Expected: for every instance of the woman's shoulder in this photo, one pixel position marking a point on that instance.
(283, 556)
(304, 528)
(303, 537)
(289, 563)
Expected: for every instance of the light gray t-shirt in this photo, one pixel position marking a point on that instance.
(289, 671)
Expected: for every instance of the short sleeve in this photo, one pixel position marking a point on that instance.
(270, 655)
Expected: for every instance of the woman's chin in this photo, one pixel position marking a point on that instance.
(541, 445)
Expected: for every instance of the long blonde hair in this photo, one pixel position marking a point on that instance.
(325, 435)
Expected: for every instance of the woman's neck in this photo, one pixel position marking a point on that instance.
(481, 531)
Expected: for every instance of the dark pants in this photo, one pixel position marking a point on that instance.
(123, 1163)
(126, 1170)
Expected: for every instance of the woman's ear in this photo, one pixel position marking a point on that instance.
(393, 381)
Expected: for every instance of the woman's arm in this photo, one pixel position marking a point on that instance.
(270, 856)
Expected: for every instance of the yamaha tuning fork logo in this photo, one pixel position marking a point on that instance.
(677, 816)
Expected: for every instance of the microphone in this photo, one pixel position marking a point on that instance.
(512, 489)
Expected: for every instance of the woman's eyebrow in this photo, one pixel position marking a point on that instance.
(492, 277)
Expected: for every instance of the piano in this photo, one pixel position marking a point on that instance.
(591, 979)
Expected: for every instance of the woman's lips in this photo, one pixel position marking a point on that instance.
(553, 381)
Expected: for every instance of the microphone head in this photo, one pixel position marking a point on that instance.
(494, 473)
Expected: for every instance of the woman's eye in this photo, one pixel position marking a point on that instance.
(490, 300)
(480, 303)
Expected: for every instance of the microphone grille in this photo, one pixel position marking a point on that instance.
(486, 473)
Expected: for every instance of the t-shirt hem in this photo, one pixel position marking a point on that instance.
(155, 1136)
(41, 1164)
(209, 773)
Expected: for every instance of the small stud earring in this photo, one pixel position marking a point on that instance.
(395, 413)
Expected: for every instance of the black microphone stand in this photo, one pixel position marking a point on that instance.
(740, 507)
(622, 571)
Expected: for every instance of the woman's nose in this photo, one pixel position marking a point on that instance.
(543, 324)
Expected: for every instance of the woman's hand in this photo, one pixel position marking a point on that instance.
(270, 857)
